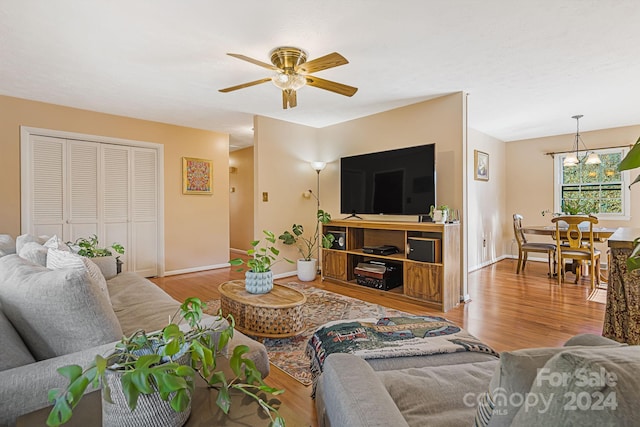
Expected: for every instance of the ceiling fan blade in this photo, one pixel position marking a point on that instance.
(289, 98)
(340, 88)
(254, 61)
(242, 86)
(328, 61)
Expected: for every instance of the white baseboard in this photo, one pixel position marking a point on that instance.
(287, 274)
(486, 263)
(196, 269)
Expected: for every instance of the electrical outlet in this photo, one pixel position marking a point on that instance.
(484, 243)
(265, 197)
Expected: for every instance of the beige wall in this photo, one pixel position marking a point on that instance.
(282, 154)
(241, 199)
(283, 151)
(487, 220)
(196, 227)
(530, 174)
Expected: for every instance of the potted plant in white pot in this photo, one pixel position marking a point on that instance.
(439, 214)
(259, 277)
(149, 376)
(89, 248)
(307, 246)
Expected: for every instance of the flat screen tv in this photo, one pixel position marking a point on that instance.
(394, 182)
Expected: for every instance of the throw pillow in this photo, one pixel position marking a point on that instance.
(34, 252)
(25, 238)
(55, 312)
(13, 351)
(7, 245)
(55, 243)
(59, 259)
(511, 382)
(595, 386)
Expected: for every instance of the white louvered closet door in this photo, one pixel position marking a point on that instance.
(116, 170)
(144, 202)
(46, 205)
(83, 174)
(79, 188)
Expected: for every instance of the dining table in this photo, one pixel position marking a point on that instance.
(601, 234)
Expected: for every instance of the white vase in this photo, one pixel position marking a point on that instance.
(258, 283)
(307, 270)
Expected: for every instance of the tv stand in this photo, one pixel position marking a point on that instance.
(434, 284)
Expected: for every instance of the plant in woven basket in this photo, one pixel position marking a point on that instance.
(149, 363)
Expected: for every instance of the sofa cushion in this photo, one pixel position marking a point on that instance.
(55, 311)
(439, 395)
(511, 380)
(596, 386)
(34, 252)
(107, 265)
(13, 351)
(148, 308)
(25, 238)
(7, 245)
(56, 243)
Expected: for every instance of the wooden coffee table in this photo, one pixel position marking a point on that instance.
(276, 314)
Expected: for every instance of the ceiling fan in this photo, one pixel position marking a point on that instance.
(293, 72)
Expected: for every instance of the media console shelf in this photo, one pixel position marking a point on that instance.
(437, 284)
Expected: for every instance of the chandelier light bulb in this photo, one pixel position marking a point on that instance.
(286, 81)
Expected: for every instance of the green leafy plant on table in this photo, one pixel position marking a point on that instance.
(89, 247)
(632, 161)
(263, 254)
(159, 372)
(307, 245)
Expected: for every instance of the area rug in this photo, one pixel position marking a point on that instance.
(598, 295)
(288, 354)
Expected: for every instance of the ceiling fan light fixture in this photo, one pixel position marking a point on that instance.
(286, 81)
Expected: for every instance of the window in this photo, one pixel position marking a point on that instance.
(597, 189)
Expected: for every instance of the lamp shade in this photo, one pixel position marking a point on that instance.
(593, 159)
(318, 166)
(570, 160)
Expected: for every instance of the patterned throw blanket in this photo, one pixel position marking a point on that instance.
(390, 337)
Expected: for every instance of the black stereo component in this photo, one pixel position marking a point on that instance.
(379, 275)
(380, 250)
(424, 249)
(340, 241)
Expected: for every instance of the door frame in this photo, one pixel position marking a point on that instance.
(25, 174)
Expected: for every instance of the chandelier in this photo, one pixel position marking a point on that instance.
(573, 158)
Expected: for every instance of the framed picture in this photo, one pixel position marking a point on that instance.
(481, 165)
(197, 176)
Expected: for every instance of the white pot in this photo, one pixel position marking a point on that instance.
(440, 216)
(307, 270)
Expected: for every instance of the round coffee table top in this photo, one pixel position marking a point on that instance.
(279, 297)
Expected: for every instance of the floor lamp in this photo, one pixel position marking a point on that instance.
(318, 167)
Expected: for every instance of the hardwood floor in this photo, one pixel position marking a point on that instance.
(507, 311)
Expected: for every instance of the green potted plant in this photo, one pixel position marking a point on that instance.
(259, 277)
(439, 214)
(307, 246)
(632, 161)
(155, 371)
(90, 248)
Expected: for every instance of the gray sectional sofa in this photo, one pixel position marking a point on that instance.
(51, 318)
(591, 381)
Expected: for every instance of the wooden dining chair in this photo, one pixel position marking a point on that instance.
(578, 245)
(525, 247)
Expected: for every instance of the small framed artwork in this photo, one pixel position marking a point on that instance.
(481, 165)
(197, 176)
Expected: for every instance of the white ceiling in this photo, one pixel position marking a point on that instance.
(528, 66)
